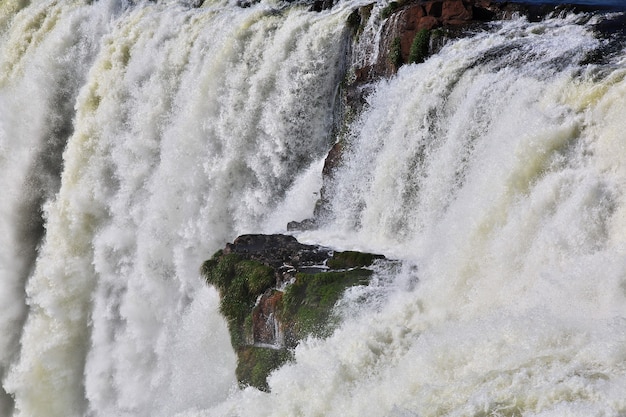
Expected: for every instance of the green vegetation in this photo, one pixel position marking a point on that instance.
(308, 302)
(395, 53)
(354, 20)
(239, 282)
(437, 33)
(306, 308)
(390, 8)
(420, 46)
(256, 363)
(351, 259)
(358, 19)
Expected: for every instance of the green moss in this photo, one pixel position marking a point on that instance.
(420, 46)
(256, 363)
(437, 33)
(239, 282)
(309, 301)
(390, 8)
(220, 270)
(358, 19)
(351, 259)
(395, 53)
(258, 277)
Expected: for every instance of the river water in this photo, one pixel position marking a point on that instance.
(137, 138)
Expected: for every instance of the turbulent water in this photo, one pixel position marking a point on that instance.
(138, 138)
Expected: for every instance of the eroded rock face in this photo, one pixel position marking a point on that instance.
(405, 22)
(274, 291)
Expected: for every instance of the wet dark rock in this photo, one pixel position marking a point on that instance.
(319, 5)
(331, 163)
(306, 224)
(276, 250)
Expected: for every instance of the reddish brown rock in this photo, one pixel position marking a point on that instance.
(409, 20)
(411, 17)
(456, 12)
(265, 326)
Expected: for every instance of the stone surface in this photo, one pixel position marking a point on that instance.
(277, 251)
(406, 21)
(274, 291)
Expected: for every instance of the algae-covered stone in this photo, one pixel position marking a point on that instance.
(308, 302)
(274, 292)
(240, 282)
(255, 363)
(352, 259)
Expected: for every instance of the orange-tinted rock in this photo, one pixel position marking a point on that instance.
(265, 326)
(454, 11)
(413, 16)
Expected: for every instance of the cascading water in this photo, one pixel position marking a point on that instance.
(188, 128)
(137, 139)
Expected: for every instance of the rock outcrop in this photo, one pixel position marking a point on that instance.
(405, 22)
(275, 291)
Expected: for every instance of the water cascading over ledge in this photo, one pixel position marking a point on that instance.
(494, 170)
(188, 128)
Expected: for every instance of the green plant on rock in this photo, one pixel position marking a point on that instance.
(309, 301)
(420, 47)
(390, 8)
(351, 259)
(354, 20)
(256, 363)
(395, 53)
(358, 19)
(259, 277)
(239, 282)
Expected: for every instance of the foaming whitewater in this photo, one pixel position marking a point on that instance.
(136, 139)
(189, 127)
(496, 168)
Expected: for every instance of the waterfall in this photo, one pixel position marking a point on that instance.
(178, 128)
(138, 137)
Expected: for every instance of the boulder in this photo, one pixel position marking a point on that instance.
(275, 291)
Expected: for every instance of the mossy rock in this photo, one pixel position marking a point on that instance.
(240, 282)
(358, 19)
(222, 271)
(352, 259)
(354, 20)
(391, 8)
(256, 363)
(304, 309)
(395, 53)
(309, 301)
